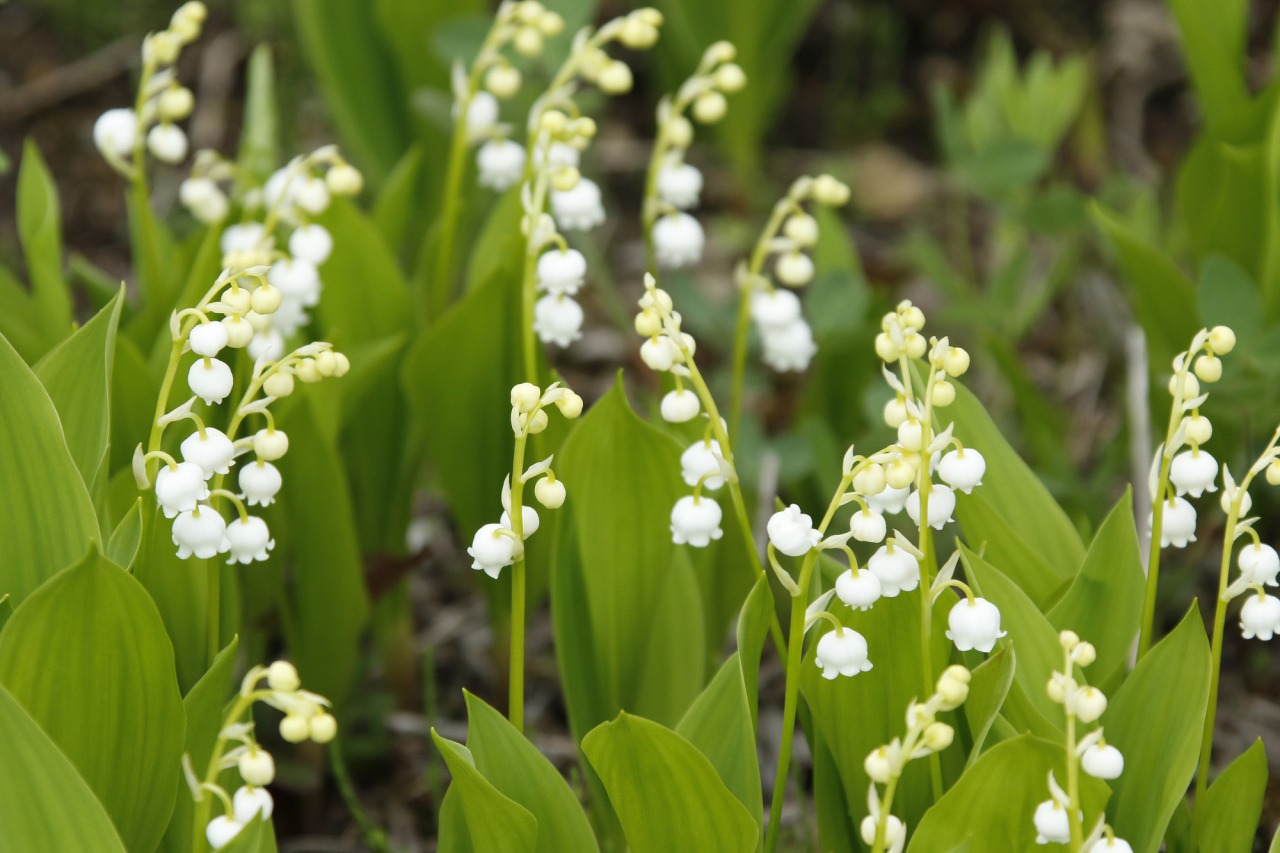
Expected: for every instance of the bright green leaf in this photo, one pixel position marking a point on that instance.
(988, 687)
(1227, 819)
(260, 135)
(125, 539)
(40, 230)
(493, 820)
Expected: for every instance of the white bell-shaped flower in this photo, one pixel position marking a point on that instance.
(243, 237)
(889, 500)
(311, 194)
(974, 624)
(942, 503)
(207, 339)
(269, 345)
(1193, 472)
(1259, 564)
(841, 652)
(260, 481)
(897, 569)
(1052, 825)
(482, 114)
(247, 803)
(1179, 527)
(695, 521)
(248, 540)
(679, 185)
(678, 239)
(311, 243)
(895, 832)
(557, 320)
(859, 589)
(204, 200)
(700, 460)
(212, 451)
(500, 164)
(789, 347)
(580, 208)
(210, 379)
(296, 279)
(679, 406)
(962, 469)
(775, 309)
(1260, 617)
(867, 526)
(659, 353)
(115, 132)
(1109, 845)
(561, 271)
(794, 268)
(559, 155)
(529, 521)
(167, 143)
(1102, 761)
(201, 531)
(180, 488)
(492, 550)
(1089, 704)
(791, 532)
(256, 766)
(221, 830)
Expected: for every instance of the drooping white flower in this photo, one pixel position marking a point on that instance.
(559, 155)
(1179, 527)
(942, 503)
(791, 531)
(242, 237)
(580, 208)
(482, 114)
(269, 344)
(561, 271)
(895, 831)
(679, 185)
(678, 239)
(841, 652)
(200, 531)
(297, 280)
(867, 526)
(256, 766)
(259, 483)
(889, 500)
(492, 550)
(311, 194)
(115, 132)
(210, 379)
(1102, 761)
(659, 353)
(529, 521)
(212, 451)
(557, 320)
(1259, 564)
(859, 589)
(1052, 825)
(1089, 704)
(695, 521)
(247, 803)
(897, 569)
(679, 406)
(1109, 845)
(167, 143)
(974, 625)
(700, 460)
(311, 243)
(775, 309)
(962, 469)
(179, 488)
(1193, 472)
(204, 200)
(789, 347)
(1260, 617)
(500, 164)
(221, 830)
(794, 268)
(248, 540)
(207, 339)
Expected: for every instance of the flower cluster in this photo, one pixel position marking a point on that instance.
(497, 546)
(789, 235)
(1058, 820)
(1259, 564)
(880, 829)
(672, 185)
(306, 718)
(123, 135)
(1175, 472)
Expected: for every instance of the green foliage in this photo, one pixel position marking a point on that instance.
(493, 821)
(1227, 820)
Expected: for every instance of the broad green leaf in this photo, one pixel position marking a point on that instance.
(720, 725)
(260, 135)
(753, 628)
(134, 390)
(20, 320)
(1227, 819)
(365, 295)
(398, 201)
(1213, 39)
(153, 251)
(1163, 299)
(47, 805)
(1005, 548)
(1104, 602)
(493, 820)
(49, 517)
(77, 375)
(1227, 296)
(125, 539)
(1013, 490)
(1156, 719)
(516, 769)
(988, 687)
(835, 823)
(88, 657)
(40, 230)
(667, 794)
(991, 807)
